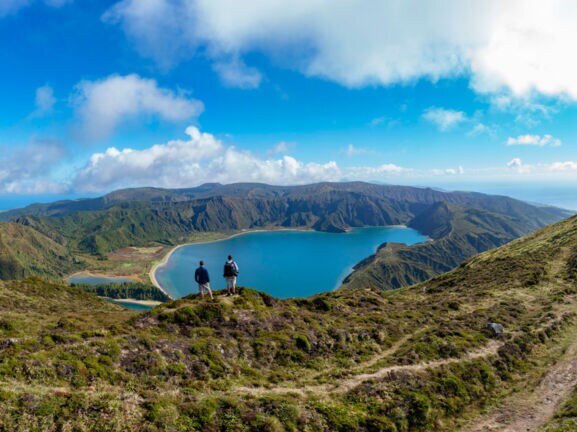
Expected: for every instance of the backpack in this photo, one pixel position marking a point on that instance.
(230, 270)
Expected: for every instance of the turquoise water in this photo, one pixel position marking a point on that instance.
(96, 280)
(281, 263)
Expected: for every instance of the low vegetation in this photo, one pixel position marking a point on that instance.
(565, 419)
(414, 359)
(123, 290)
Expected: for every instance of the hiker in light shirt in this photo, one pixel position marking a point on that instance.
(230, 273)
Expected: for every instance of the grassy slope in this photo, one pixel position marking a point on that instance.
(457, 234)
(565, 419)
(25, 252)
(35, 308)
(256, 363)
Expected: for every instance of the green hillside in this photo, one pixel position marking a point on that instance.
(34, 309)
(457, 233)
(414, 359)
(25, 252)
(462, 223)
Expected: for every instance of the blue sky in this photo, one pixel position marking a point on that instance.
(99, 95)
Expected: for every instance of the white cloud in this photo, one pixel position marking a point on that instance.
(234, 73)
(523, 46)
(455, 171)
(448, 171)
(379, 172)
(28, 169)
(8, 7)
(444, 119)
(377, 121)
(201, 158)
(45, 101)
(534, 140)
(282, 147)
(352, 150)
(563, 166)
(518, 165)
(103, 105)
(527, 111)
(481, 129)
(528, 49)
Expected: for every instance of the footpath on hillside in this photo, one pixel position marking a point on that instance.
(344, 385)
(530, 410)
(524, 411)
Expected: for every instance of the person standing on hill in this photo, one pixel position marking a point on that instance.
(203, 280)
(230, 273)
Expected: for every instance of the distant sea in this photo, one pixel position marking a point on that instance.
(8, 202)
(564, 196)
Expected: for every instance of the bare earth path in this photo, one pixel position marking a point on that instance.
(531, 412)
(528, 412)
(344, 385)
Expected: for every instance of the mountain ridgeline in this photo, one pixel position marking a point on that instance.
(460, 223)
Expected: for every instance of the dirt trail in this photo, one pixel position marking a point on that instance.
(375, 359)
(531, 411)
(344, 385)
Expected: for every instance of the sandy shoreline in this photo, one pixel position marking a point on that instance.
(89, 273)
(129, 277)
(136, 302)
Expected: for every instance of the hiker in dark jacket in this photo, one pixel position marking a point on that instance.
(230, 273)
(203, 280)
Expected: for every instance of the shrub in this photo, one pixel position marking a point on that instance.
(185, 316)
(303, 343)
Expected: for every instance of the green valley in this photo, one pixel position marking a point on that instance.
(89, 233)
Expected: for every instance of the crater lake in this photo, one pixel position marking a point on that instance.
(281, 263)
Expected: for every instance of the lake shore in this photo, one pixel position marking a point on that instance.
(165, 259)
(151, 303)
(88, 273)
